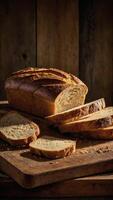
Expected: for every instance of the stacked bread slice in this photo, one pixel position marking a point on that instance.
(92, 119)
(77, 112)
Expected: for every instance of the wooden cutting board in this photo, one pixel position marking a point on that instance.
(29, 171)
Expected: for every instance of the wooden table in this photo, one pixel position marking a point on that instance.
(99, 185)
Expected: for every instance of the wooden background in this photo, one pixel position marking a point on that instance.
(73, 35)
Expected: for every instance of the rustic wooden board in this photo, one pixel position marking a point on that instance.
(17, 37)
(96, 48)
(58, 34)
(29, 171)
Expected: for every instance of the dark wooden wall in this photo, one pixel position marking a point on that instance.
(96, 47)
(17, 37)
(74, 35)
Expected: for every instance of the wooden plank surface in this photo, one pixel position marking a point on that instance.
(99, 185)
(30, 172)
(17, 37)
(96, 48)
(58, 34)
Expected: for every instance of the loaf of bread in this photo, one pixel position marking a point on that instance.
(17, 129)
(76, 112)
(44, 92)
(100, 119)
(52, 147)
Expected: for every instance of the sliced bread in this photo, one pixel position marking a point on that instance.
(100, 133)
(52, 147)
(100, 119)
(70, 97)
(17, 129)
(77, 112)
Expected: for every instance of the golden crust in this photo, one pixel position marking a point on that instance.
(77, 112)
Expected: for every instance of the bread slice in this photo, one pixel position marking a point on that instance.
(100, 133)
(77, 112)
(100, 119)
(17, 129)
(70, 97)
(52, 147)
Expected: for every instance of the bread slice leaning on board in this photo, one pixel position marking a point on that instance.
(76, 112)
(100, 119)
(43, 91)
(17, 129)
(52, 147)
(100, 133)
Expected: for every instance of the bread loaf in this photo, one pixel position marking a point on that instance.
(52, 147)
(40, 91)
(100, 119)
(76, 112)
(17, 129)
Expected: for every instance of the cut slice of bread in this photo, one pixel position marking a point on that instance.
(52, 147)
(100, 119)
(17, 129)
(100, 133)
(70, 97)
(77, 112)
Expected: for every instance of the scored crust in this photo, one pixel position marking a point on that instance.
(49, 73)
(100, 119)
(43, 73)
(76, 112)
(11, 125)
(40, 148)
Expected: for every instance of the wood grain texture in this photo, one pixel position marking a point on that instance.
(30, 172)
(17, 37)
(96, 48)
(100, 185)
(58, 34)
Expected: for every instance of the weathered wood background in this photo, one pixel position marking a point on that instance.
(75, 35)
